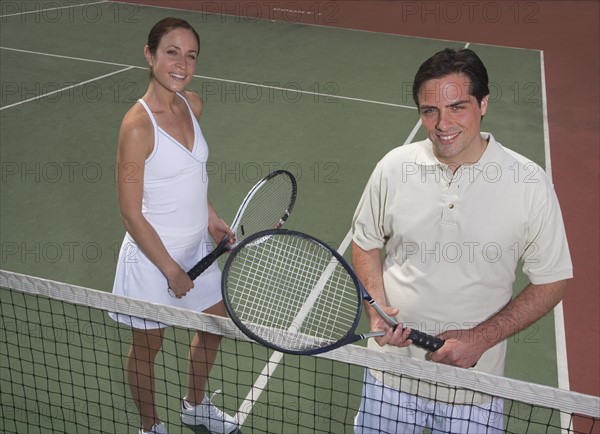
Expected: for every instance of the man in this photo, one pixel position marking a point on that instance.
(454, 214)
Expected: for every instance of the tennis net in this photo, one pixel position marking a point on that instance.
(62, 358)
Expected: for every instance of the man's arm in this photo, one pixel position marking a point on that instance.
(369, 269)
(465, 347)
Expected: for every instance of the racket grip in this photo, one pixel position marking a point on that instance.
(208, 260)
(198, 269)
(423, 340)
(201, 266)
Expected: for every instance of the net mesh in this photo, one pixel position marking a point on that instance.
(61, 370)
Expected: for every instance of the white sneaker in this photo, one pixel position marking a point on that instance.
(157, 428)
(207, 414)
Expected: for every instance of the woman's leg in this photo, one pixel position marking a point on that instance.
(140, 372)
(202, 355)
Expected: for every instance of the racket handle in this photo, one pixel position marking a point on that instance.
(425, 341)
(201, 266)
(208, 260)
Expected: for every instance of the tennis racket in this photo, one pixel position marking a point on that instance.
(293, 293)
(266, 206)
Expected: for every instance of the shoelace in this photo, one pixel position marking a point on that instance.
(154, 429)
(212, 409)
(214, 413)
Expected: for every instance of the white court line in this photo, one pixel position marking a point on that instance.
(413, 133)
(243, 83)
(285, 89)
(60, 56)
(52, 9)
(64, 89)
(559, 321)
(408, 140)
(562, 363)
(263, 379)
(261, 382)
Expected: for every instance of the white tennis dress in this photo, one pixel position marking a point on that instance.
(175, 202)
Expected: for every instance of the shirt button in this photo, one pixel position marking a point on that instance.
(451, 206)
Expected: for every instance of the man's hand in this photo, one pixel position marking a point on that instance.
(460, 348)
(397, 337)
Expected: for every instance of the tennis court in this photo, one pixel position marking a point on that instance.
(324, 103)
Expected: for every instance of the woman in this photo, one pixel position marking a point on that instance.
(162, 190)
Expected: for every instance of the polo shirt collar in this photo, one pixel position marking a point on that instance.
(491, 155)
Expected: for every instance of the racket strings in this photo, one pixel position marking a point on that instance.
(267, 303)
(293, 288)
(247, 300)
(266, 206)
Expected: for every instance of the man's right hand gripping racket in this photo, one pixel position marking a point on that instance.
(293, 293)
(266, 206)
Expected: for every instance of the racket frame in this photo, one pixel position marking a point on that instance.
(421, 339)
(224, 245)
(240, 212)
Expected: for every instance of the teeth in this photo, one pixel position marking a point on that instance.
(448, 137)
(178, 76)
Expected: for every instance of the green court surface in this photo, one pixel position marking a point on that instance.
(324, 103)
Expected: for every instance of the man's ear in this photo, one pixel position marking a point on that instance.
(484, 105)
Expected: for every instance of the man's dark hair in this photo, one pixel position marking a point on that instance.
(448, 62)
